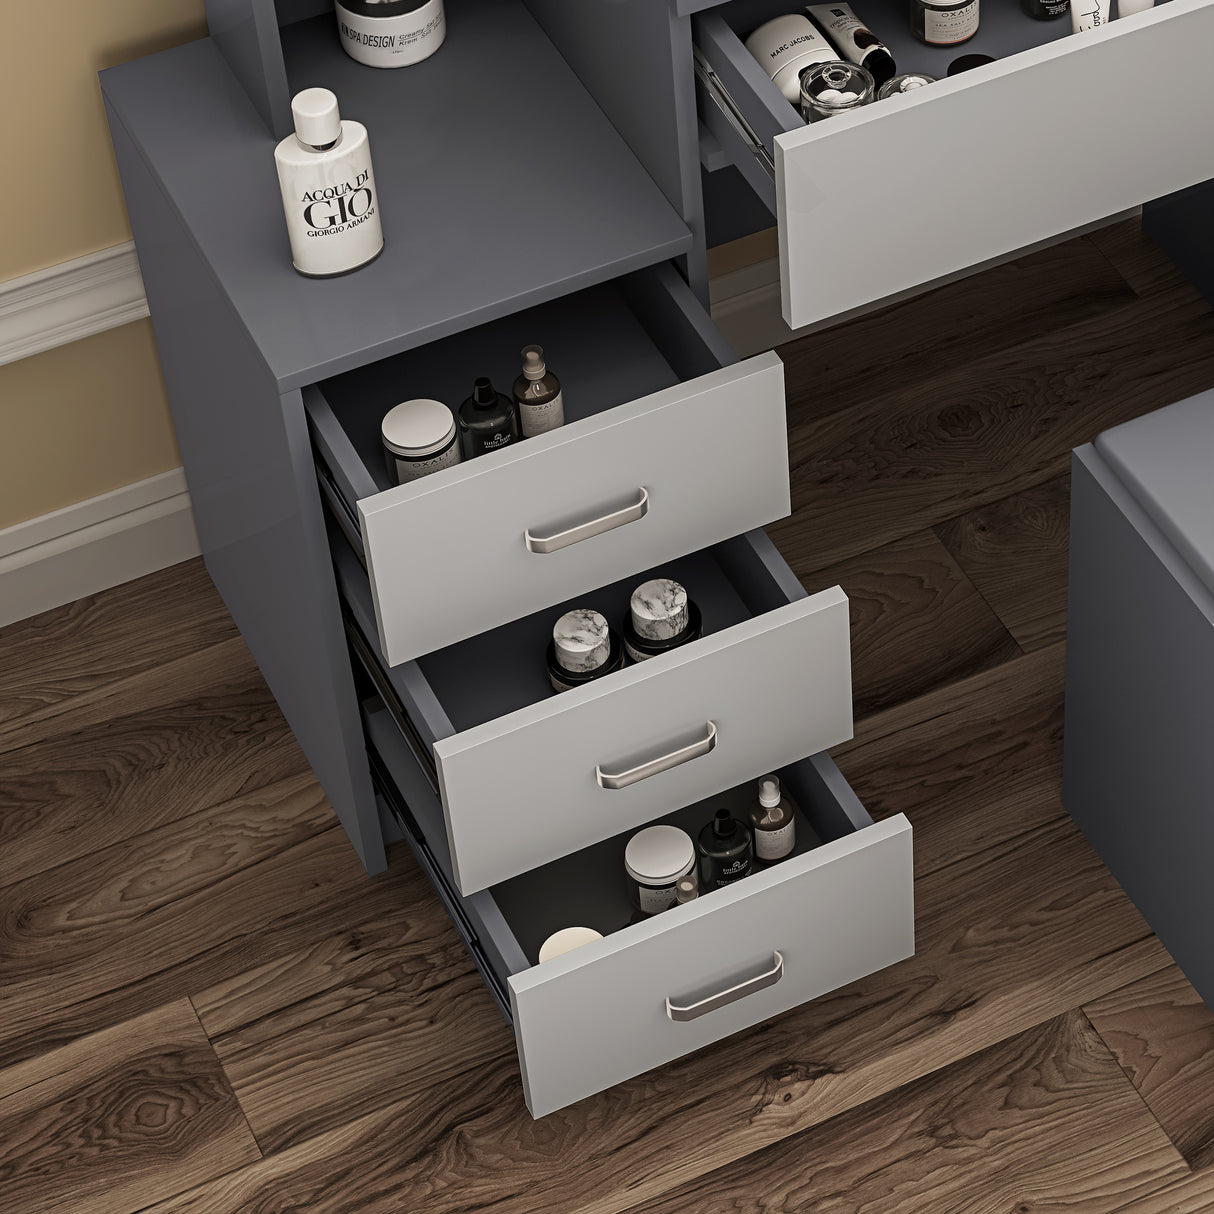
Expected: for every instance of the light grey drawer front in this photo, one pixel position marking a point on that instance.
(914, 189)
(488, 541)
(993, 160)
(590, 763)
(699, 972)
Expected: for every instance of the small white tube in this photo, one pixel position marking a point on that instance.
(1088, 14)
(1127, 8)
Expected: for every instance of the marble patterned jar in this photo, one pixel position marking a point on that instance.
(583, 648)
(661, 617)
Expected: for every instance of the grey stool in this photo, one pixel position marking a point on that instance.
(1138, 750)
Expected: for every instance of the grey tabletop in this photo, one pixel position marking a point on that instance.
(501, 185)
(1166, 459)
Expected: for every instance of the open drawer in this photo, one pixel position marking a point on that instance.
(527, 775)
(1063, 130)
(665, 450)
(840, 907)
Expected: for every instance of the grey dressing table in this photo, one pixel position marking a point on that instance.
(402, 628)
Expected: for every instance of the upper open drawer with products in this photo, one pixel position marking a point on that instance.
(1056, 131)
(663, 450)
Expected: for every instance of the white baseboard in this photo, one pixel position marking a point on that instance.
(92, 545)
(71, 300)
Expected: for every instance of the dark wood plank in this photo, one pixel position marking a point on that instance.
(906, 459)
(119, 1119)
(1192, 1194)
(105, 638)
(1042, 1121)
(916, 621)
(971, 766)
(953, 326)
(1015, 553)
(179, 909)
(1163, 1035)
(195, 733)
(318, 1038)
(1008, 938)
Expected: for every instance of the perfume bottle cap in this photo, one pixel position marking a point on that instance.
(533, 362)
(483, 392)
(582, 640)
(965, 63)
(769, 792)
(659, 609)
(724, 825)
(317, 118)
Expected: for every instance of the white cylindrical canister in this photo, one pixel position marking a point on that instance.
(390, 33)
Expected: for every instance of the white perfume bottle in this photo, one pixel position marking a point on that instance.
(328, 189)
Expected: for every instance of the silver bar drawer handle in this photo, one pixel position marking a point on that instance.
(760, 982)
(684, 755)
(583, 531)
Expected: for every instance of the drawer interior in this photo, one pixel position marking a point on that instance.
(589, 888)
(608, 345)
(497, 672)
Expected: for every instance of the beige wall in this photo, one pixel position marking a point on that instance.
(50, 54)
(81, 420)
(88, 417)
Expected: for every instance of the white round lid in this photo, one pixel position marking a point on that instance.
(566, 940)
(582, 640)
(317, 118)
(659, 609)
(417, 427)
(659, 855)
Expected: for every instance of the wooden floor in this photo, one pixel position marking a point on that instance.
(206, 1006)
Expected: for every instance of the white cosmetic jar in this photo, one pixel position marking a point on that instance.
(419, 437)
(390, 33)
(566, 940)
(655, 859)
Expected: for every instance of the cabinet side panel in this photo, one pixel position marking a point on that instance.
(1180, 225)
(1138, 768)
(246, 32)
(252, 483)
(634, 57)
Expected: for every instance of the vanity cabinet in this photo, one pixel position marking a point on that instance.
(402, 629)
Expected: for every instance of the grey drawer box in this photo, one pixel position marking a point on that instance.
(654, 422)
(917, 188)
(1138, 756)
(826, 916)
(518, 766)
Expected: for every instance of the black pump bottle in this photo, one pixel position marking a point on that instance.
(726, 851)
(487, 421)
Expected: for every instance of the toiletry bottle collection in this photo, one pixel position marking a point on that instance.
(424, 436)
(665, 867)
(826, 61)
